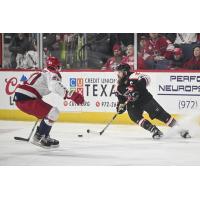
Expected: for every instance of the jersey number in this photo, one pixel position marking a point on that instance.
(33, 78)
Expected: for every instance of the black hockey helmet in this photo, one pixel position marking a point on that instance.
(123, 68)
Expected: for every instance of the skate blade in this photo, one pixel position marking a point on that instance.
(186, 137)
(40, 145)
(156, 137)
(54, 146)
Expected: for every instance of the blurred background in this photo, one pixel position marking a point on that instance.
(103, 51)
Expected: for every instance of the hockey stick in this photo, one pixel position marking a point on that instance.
(113, 118)
(101, 132)
(31, 133)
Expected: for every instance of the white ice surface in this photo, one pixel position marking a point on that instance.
(119, 145)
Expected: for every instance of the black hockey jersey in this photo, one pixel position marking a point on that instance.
(139, 83)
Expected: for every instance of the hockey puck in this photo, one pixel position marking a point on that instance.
(88, 130)
(80, 135)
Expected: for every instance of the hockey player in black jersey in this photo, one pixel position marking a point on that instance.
(131, 88)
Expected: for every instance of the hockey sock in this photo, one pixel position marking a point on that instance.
(167, 119)
(45, 127)
(147, 125)
(171, 122)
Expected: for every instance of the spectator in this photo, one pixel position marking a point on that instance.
(157, 51)
(51, 44)
(98, 50)
(170, 36)
(178, 59)
(194, 62)
(112, 62)
(31, 58)
(129, 59)
(142, 44)
(140, 62)
(185, 38)
(19, 45)
(186, 41)
(124, 39)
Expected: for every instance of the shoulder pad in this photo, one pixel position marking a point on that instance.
(134, 75)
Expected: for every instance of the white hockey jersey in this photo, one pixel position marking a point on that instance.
(43, 83)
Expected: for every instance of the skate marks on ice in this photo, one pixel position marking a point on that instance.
(36, 156)
(7, 130)
(120, 145)
(14, 152)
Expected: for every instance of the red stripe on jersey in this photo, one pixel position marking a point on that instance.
(30, 89)
(35, 78)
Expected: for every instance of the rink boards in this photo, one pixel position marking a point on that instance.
(178, 92)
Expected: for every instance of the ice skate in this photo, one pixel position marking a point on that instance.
(157, 134)
(44, 141)
(184, 134)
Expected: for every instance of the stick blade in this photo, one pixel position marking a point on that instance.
(21, 139)
(101, 132)
(93, 132)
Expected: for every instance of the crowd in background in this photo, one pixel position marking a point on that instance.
(20, 51)
(102, 50)
(169, 51)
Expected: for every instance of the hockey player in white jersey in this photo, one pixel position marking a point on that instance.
(28, 98)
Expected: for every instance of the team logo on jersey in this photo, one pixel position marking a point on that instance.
(76, 84)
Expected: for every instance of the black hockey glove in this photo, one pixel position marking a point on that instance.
(121, 108)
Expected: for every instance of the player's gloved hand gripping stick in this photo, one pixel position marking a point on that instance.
(75, 96)
(113, 118)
